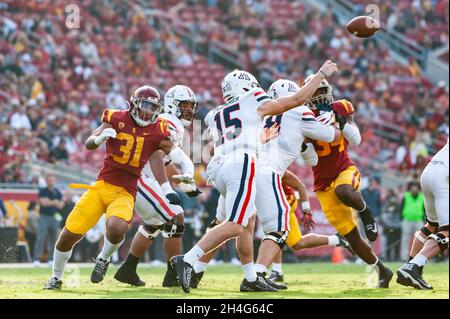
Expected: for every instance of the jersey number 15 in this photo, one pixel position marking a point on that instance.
(224, 116)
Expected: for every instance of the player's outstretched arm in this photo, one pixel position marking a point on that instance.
(283, 104)
(178, 157)
(158, 168)
(99, 136)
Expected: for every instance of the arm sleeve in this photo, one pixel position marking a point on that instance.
(315, 130)
(351, 133)
(309, 155)
(181, 159)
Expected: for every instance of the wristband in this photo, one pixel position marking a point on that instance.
(305, 206)
(324, 74)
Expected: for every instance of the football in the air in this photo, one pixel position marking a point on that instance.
(363, 26)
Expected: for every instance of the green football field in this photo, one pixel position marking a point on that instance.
(306, 280)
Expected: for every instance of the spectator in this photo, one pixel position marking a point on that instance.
(32, 226)
(413, 213)
(19, 119)
(51, 202)
(391, 220)
(372, 197)
(59, 153)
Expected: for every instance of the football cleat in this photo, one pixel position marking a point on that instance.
(345, 244)
(411, 275)
(258, 285)
(53, 284)
(196, 278)
(99, 272)
(184, 272)
(370, 227)
(127, 274)
(170, 278)
(277, 286)
(384, 277)
(275, 276)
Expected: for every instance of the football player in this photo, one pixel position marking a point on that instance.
(235, 127)
(131, 137)
(432, 238)
(337, 180)
(158, 215)
(296, 191)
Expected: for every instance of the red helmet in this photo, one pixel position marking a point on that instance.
(145, 106)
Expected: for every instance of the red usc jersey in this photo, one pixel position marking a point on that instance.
(333, 159)
(127, 154)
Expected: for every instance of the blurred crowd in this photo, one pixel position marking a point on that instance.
(55, 81)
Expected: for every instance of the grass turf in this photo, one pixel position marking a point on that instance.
(306, 280)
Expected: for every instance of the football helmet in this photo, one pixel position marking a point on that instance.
(322, 96)
(173, 99)
(145, 105)
(282, 88)
(236, 83)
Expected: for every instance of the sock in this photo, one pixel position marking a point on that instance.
(132, 260)
(249, 272)
(333, 240)
(420, 260)
(260, 268)
(362, 210)
(200, 267)
(108, 249)
(278, 268)
(193, 255)
(60, 259)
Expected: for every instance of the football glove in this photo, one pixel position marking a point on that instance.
(106, 133)
(343, 108)
(307, 221)
(186, 179)
(173, 198)
(340, 120)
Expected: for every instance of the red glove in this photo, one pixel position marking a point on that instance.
(307, 221)
(343, 108)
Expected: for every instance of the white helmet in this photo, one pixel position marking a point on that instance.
(172, 99)
(236, 83)
(283, 87)
(324, 98)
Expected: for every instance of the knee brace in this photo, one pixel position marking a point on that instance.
(425, 231)
(279, 239)
(150, 231)
(441, 239)
(213, 224)
(172, 230)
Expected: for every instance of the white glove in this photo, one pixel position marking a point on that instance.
(187, 179)
(106, 133)
(187, 187)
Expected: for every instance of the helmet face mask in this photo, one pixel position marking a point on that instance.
(181, 101)
(145, 106)
(323, 96)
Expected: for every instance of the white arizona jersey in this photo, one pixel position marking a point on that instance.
(442, 155)
(176, 129)
(235, 127)
(294, 126)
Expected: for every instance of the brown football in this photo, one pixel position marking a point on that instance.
(363, 26)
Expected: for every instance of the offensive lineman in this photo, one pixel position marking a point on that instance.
(433, 237)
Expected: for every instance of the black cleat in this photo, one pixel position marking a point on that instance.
(170, 278)
(184, 272)
(127, 274)
(196, 278)
(99, 272)
(345, 244)
(370, 227)
(275, 276)
(53, 284)
(384, 277)
(258, 285)
(411, 275)
(277, 286)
